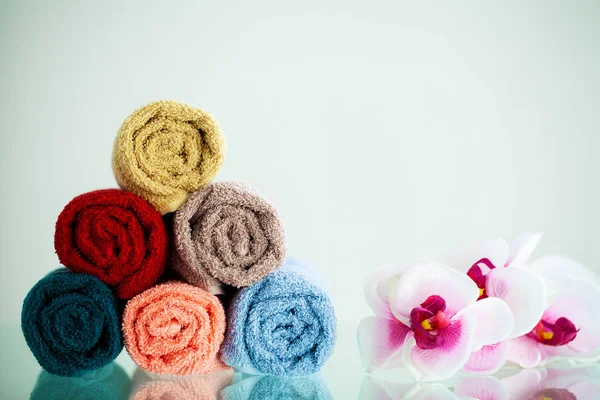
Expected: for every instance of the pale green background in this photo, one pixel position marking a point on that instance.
(382, 130)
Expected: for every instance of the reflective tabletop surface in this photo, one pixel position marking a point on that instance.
(341, 378)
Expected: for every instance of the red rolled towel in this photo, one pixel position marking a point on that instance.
(114, 235)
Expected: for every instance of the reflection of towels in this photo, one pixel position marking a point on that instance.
(108, 383)
(71, 323)
(166, 150)
(265, 387)
(226, 233)
(198, 387)
(174, 328)
(283, 325)
(115, 236)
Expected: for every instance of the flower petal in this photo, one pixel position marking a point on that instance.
(373, 388)
(584, 390)
(379, 340)
(464, 256)
(411, 288)
(524, 293)
(376, 286)
(526, 352)
(521, 248)
(577, 300)
(494, 321)
(481, 387)
(561, 265)
(451, 355)
(523, 384)
(434, 391)
(488, 359)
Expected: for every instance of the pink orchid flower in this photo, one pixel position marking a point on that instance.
(428, 320)
(498, 269)
(569, 326)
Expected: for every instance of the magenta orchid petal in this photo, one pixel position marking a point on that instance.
(481, 387)
(522, 247)
(557, 333)
(488, 359)
(526, 352)
(464, 256)
(494, 321)
(524, 293)
(411, 288)
(577, 301)
(452, 351)
(379, 341)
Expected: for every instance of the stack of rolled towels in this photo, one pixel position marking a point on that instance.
(189, 275)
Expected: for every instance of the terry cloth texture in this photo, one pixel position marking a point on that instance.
(108, 383)
(266, 387)
(226, 233)
(197, 387)
(71, 323)
(166, 150)
(174, 328)
(283, 325)
(114, 235)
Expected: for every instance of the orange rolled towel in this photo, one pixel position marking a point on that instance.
(175, 328)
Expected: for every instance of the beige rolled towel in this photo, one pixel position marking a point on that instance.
(226, 233)
(167, 150)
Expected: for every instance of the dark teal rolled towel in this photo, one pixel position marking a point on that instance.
(108, 383)
(71, 323)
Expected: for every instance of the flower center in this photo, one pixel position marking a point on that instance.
(554, 394)
(559, 333)
(427, 320)
(477, 275)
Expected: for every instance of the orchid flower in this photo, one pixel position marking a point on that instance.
(428, 320)
(569, 327)
(498, 269)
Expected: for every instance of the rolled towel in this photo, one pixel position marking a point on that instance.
(266, 387)
(115, 236)
(108, 383)
(167, 150)
(197, 387)
(226, 233)
(71, 323)
(174, 328)
(283, 325)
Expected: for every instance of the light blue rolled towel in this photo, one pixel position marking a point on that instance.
(267, 387)
(283, 325)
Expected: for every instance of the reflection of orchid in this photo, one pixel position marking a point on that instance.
(498, 269)
(529, 384)
(428, 319)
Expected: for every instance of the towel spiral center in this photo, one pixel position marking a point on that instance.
(169, 150)
(231, 234)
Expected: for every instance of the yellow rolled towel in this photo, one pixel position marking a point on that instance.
(167, 150)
